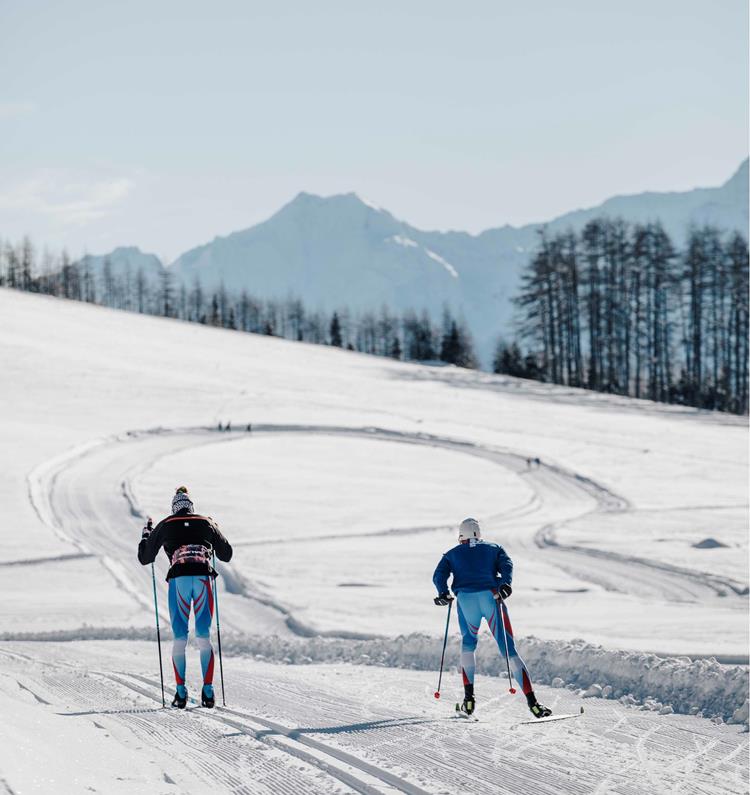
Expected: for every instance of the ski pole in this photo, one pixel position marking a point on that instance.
(500, 608)
(445, 643)
(218, 632)
(158, 634)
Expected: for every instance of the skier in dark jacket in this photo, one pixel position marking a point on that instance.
(482, 574)
(189, 541)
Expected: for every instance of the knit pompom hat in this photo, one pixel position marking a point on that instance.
(181, 500)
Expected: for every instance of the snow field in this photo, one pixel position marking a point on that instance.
(296, 487)
(378, 581)
(320, 726)
(73, 375)
(673, 534)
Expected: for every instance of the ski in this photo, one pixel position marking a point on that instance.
(551, 718)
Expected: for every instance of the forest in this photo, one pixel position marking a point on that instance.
(618, 309)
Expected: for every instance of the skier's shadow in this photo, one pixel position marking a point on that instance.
(349, 728)
(134, 711)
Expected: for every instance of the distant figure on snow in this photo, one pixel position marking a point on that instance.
(189, 541)
(482, 575)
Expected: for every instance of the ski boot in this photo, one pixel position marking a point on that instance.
(537, 710)
(207, 697)
(180, 697)
(469, 703)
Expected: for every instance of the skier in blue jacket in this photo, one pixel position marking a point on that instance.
(482, 575)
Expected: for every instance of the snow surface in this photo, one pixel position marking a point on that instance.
(333, 728)
(432, 255)
(401, 240)
(340, 499)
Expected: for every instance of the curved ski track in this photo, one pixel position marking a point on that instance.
(86, 498)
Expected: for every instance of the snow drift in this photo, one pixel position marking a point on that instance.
(686, 686)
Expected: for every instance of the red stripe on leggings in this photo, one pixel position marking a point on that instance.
(208, 679)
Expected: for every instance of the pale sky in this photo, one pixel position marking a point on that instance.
(164, 124)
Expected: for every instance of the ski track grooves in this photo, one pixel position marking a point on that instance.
(243, 721)
(355, 773)
(379, 747)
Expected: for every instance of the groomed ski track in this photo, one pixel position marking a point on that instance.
(343, 729)
(86, 498)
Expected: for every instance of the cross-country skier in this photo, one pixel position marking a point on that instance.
(482, 575)
(188, 540)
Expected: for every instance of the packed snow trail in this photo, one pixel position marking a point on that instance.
(343, 728)
(86, 498)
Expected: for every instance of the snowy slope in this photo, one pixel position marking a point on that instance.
(340, 500)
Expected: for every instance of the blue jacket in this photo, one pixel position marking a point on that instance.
(475, 566)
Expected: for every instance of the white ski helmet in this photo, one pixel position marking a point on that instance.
(469, 529)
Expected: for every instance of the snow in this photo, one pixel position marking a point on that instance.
(407, 242)
(337, 728)
(369, 203)
(403, 241)
(686, 686)
(340, 500)
(432, 255)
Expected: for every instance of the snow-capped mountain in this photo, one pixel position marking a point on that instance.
(344, 251)
(331, 252)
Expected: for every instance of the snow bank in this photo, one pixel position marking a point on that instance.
(703, 687)
(677, 682)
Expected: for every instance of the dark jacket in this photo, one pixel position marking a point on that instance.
(188, 541)
(477, 566)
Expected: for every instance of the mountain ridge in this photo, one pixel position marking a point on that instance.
(343, 250)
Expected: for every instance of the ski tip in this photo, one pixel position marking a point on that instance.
(437, 694)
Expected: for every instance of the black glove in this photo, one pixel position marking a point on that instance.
(504, 591)
(147, 529)
(444, 599)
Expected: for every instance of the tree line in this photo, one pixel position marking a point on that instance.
(406, 335)
(617, 308)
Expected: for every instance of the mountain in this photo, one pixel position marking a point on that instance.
(725, 207)
(343, 251)
(123, 260)
(329, 251)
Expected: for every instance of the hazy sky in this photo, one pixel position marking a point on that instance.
(163, 124)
